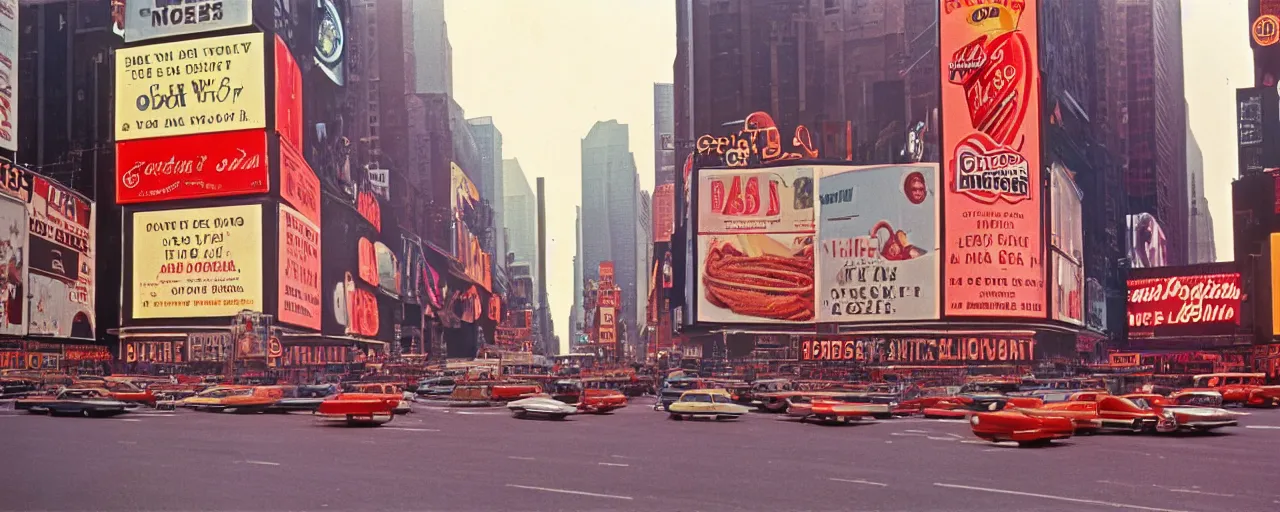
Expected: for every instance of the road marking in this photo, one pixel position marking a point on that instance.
(513, 457)
(957, 436)
(936, 438)
(1058, 498)
(904, 434)
(567, 491)
(128, 419)
(127, 442)
(469, 413)
(412, 429)
(1194, 491)
(863, 482)
(917, 431)
(1265, 427)
(614, 464)
(262, 463)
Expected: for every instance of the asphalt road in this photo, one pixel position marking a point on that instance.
(636, 459)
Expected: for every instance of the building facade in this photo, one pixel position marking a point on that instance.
(488, 140)
(521, 223)
(1200, 238)
(609, 209)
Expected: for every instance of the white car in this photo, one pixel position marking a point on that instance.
(541, 405)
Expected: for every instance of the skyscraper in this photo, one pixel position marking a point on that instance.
(1200, 238)
(432, 53)
(492, 175)
(644, 254)
(609, 210)
(576, 314)
(521, 223)
(664, 155)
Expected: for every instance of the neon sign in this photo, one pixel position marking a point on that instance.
(1159, 303)
(759, 140)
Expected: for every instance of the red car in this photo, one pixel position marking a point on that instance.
(127, 392)
(1245, 389)
(358, 409)
(1120, 413)
(1017, 426)
(964, 406)
(601, 400)
(1084, 416)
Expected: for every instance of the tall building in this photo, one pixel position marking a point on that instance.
(491, 180)
(432, 54)
(644, 255)
(609, 210)
(1144, 89)
(576, 315)
(521, 223)
(664, 155)
(1200, 238)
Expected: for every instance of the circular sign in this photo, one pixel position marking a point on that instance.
(915, 188)
(330, 38)
(1266, 30)
(274, 349)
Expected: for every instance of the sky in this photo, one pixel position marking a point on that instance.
(547, 70)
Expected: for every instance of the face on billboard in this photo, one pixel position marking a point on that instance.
(300, 289)
(1147, 245)
(878, 229)
(60, 251)
(198, 86)
(198, 262)
(755, 238)
(192, 166)
(1184, 305)
(991, 147)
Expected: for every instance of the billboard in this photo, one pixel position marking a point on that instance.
(150, 19)
(954, 349)
(1257, 129)
(197, 86)
(299, 186)
(288, 97)
(60, 248)
(607, 329)
(197, 262)
(991, 149)
(1147, 247)
(300, 289)
(755, 236)
(13, 267)
(1184, 303)
(879, 235)
(1275, 284)
(192, 167)
(664, 211)
(1066, 242)
(9, 74)
(1096, 313)
(208, 347)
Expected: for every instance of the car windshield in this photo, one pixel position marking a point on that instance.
(682, 384)
(696, 397)
(1142, 403)
(721, 399)
(223, 393)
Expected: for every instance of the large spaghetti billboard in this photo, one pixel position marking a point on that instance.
(991, 149)
(878, 231)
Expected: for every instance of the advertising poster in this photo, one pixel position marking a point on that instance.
(1066, 242)
(1096, 313)
(299, 186)
(150, 19)
(331, 41)
(1147, 244)
(9, 74)
(607, 329)
(208, 347)
(388, 265)
(755, 245)
(991, 149)
(351, 306)
(878, 231)
(1184, 305)
(192, 167)
(13, 267)
(953, 349)
(288, 96)
(664, 211)
(198, 86)
(197, 262)
(60, 284)
(300, 289)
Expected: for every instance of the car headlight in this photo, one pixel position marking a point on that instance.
(1168, 415)
(974, 419)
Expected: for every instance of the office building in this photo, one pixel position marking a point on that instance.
(609, 210)
(491, 173)
(1200, 238)
(521, 223)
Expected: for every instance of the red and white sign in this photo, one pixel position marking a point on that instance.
(1184, 305)
(299, 185)
(192, 166)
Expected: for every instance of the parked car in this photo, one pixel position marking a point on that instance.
(707, 403)
(1245, 389)
(357, 409)
(840, 407)
(1019, 427)
(89, 402)
(439, 387)
(542, 406)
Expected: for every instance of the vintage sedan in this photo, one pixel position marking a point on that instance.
(706, 403)
(91, 402)
(964, 406)
(1026, 430)
(1120, 413)
(1186, 411)
(1084, 416)
(600, 401)
(541, 406)
(357, 409)
(234, 399)
(1247, 389)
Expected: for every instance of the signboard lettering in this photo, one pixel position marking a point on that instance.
(300, 259)
(198, 86)
(920, 350)
(299, 185)
(1162, 305)
(1125, 360)
(192, 167)
(9, 74)
(759, 142)
(151, 19)
(198, 262)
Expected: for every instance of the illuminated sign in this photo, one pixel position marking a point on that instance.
(300, 289)
(331, 41)
(198, 262)
(664, 210)
(288, 97)
(1183, 304)
(153, 351)
(993, 242)
(1266, 30)
(150, 19)
(209, 347)
(13, 262)
(1125, 360)
(299, 185)
(198, 86)
(355, 308)
(758, 142)
(192, 167)
(9, 74)
(60, 260)
(987, 349)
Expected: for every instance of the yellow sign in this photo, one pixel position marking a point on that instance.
(1275, 284)
(198, 262)
(208, 85)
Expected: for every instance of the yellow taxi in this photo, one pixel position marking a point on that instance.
(706, 403)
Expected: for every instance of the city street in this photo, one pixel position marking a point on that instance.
(636, 459)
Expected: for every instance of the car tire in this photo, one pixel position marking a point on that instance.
(559, 417)
(1033, 444)
(676, 417)
(519, 413)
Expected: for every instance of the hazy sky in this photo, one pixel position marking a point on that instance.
(547, 70)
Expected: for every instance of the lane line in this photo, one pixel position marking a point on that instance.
(616, 465)
(567, 491)
(406, 429)
(135, 420)
(262, 463)
(863, 482)
(917, 431)
(1194, 491)
(1058, 498)
(936, 438)
(469, 413)
(1264, 427)
(513, 457)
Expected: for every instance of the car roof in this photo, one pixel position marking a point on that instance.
(707, 392)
